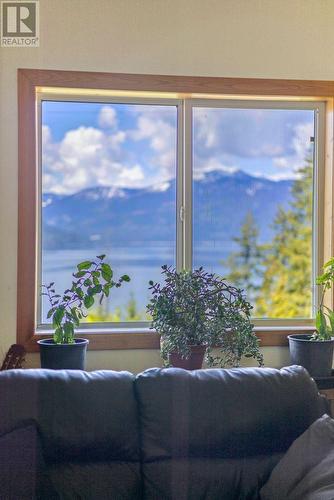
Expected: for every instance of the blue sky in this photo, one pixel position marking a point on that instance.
(134, 146)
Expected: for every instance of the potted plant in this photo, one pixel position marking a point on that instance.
(196, 312)
(92, 280)
(315, 351)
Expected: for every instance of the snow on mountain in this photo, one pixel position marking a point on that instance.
(99, 216)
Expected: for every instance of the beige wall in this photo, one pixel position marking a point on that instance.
(245, 38)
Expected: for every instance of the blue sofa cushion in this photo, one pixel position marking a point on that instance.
(81, 416)
(21, 463)
(216, 413)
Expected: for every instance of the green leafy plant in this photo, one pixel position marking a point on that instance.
(93, 280)
(324, 320)
(199, 308)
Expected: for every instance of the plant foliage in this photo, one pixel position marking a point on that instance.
(324, 320)
(92, 280)
(199, 308)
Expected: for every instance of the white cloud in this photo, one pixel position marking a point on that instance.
(245, 133)
(274, 143)
(281, 162)
(160, 188)
(46, 135)
(108, 117)
(86, 158)
(46, 202)
(144, 155)
(160, 132)
(201, 168)
(301, 140)
(130, 175)
(279, 176)
(300, 148)
(81, 144)
(259, 139)
(266, 149)
(117, 139)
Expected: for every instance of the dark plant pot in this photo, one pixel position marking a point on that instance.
(63, 356)
(194, 362)
(314, 355)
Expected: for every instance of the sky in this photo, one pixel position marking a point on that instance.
(134, 146)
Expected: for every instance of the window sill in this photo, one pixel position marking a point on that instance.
(278, 335)
(103, 340)
(108, 339)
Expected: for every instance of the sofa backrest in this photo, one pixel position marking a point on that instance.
(224, 413)
(174, 413)
(81, 416)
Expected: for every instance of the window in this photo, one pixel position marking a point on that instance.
(152, 177)
(108, 187)
(254, 201)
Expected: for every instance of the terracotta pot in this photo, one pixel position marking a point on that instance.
(194, 362)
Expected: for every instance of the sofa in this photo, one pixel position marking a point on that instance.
(163, 434)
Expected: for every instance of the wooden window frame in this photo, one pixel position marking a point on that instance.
(30, 80)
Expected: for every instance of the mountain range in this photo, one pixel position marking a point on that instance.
(100, 216)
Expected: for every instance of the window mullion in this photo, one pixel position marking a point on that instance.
(187, 184)
(180, 189)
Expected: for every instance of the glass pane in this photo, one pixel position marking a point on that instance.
(108, 187)
(253, 198)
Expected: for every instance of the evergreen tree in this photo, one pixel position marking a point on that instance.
(286, 289)
(244, 264)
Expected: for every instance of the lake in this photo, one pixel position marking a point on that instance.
(142, 264)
